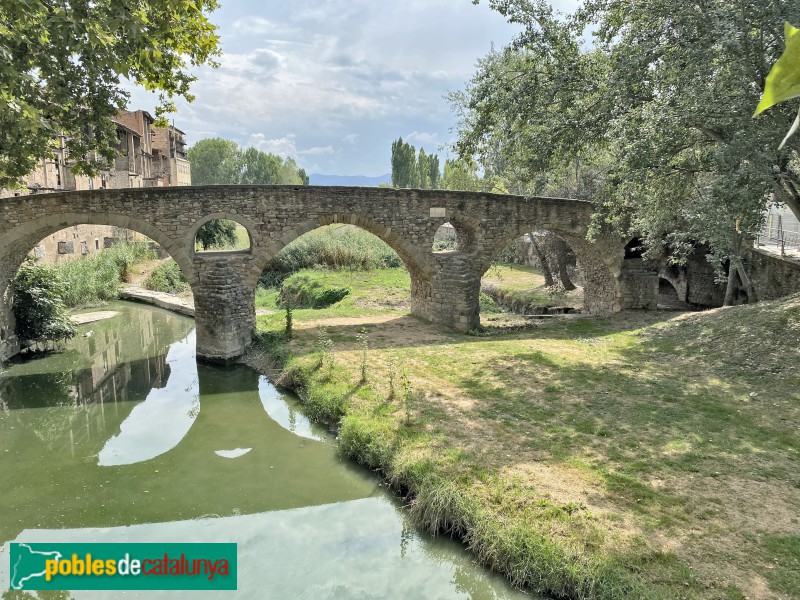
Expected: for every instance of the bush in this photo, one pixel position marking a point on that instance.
(167, 278)
(335, 247)
(301, 291)
(39, 308)
(487, 305)
(218, 233)
(95, 279)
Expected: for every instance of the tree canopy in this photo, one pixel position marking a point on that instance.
(220, 161)
(62, 65)
(657, 106)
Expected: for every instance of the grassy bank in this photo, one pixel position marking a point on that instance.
(96, 278)
(643, 456)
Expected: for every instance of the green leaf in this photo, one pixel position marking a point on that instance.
(783, 81)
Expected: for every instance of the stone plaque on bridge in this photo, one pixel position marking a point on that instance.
(438, 212)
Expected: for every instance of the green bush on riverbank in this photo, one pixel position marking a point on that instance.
(167, 278)
(39, 309)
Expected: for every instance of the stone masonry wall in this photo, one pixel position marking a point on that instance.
(444, 289)
(224, 305)
(772, 276)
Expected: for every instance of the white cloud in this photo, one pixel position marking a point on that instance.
(338, 74)
(283, 147)
(317, 150)
(427, 139)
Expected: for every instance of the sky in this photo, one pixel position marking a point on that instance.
(332, 83)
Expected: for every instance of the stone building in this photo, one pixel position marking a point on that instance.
(169, 156)
(53, 175)
(147, 157)
(136, 147)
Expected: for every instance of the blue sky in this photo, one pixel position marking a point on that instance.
(333, 82)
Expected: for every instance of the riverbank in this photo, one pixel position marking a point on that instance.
(646, 455)
(171, 302)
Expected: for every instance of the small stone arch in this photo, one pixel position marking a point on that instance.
(668, 294)
(461, 228)
(634, 249)
(191, 234)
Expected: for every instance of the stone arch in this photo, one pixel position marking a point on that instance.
(668, 293)
(596, 260)
(191, 234)
(25, 235)
(415, 263)
(21, 238)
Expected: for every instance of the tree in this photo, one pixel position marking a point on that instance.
(62, 64)
(217, 233)
(39, 308)
(783, 81)
(412, 170)
(461, 175)
(659, 104)
(223, 162)
(257, 167)
(215, 161)
(403, 164)
(434, 176)
(422, 170)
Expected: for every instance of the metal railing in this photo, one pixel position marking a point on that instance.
(774, 234)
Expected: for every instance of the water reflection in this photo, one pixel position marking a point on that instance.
(173, 406)
(126, 438)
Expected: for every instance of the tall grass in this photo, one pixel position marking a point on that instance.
(339, 247)
(95, 279)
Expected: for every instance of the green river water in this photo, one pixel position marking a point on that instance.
(124, 437)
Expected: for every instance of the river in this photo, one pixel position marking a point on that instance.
(124, 437)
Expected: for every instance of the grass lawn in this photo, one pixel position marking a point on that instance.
(522, 286)
(648, 454)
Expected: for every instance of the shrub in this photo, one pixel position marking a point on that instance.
(39, 308)
(487, 305)
(167, 278)
(336, 247)
(302, 291)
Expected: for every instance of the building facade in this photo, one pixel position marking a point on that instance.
(147, 156)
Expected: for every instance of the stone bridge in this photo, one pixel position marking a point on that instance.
(445, 286)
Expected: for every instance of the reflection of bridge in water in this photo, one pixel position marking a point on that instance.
(445, 286)
(159, 455)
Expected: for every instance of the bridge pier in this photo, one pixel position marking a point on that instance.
(224, 306)
(451, 296)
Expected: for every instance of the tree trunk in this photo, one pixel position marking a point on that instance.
(748, 284)
(561, 251)
(548, 275)
(731, 288)
(792, 198)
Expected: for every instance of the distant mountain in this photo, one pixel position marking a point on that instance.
(349, 180)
